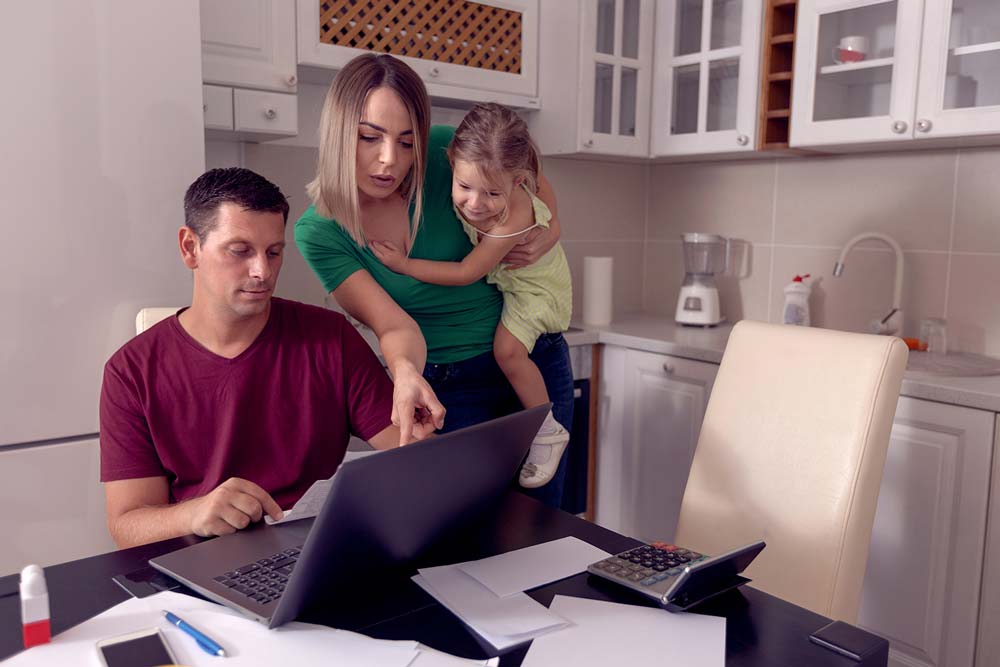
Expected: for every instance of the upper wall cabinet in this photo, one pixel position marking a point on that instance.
(249, 44)
(464, 51)
(959, 89)
(248, 52)
(706, 77)
(863, 74)
(595, 79)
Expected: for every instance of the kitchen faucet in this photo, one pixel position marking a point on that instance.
(892, 323)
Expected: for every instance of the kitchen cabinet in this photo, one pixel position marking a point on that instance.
(464, 51)
(706, 77)
(988, 648)
(595, 78)
(959, 90)
(925, 564)
(650, 411)
(249, 44)
(923, 71)
(248, 57)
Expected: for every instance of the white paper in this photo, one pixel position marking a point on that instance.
(605, 633)
(246, 641)
(503, 622)
(537, 565)
(309, 504)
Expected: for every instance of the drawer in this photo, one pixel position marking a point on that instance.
(265, 113)
(217, 102)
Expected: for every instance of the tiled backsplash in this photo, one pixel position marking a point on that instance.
(942, 207)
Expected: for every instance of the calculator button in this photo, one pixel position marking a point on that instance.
(647, 572)
(611, 568)
(648, 581)
(636, 576)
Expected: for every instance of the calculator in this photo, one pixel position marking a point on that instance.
(674, 577)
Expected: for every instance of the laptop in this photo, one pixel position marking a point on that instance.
(382, 512)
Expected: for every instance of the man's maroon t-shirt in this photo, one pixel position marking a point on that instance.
(280, 414)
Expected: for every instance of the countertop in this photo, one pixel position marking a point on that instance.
(664, 336)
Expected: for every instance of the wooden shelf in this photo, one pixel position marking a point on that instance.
(774, 113)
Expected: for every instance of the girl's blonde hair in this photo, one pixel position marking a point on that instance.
(496, 141)
(334, 191)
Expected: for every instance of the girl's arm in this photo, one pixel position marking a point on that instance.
(415, 408)
(537, 242)
(486, 255)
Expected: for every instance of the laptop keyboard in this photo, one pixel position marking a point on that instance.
(263, 581)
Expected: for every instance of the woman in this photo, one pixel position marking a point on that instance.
(381, 171)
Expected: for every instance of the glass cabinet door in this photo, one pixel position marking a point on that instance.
(960, 70)
(855, 71)
(706, 78)
(615, 76)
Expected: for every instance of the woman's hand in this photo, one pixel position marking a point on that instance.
(389, 254)
(415, 409)
(531, 248)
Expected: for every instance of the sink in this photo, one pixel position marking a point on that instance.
(572, 329)
(957, 364)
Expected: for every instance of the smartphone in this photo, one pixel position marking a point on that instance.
(849, 641)
(145, 648)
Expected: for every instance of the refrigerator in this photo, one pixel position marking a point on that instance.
(101, 132)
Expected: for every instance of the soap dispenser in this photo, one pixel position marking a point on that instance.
(797, 301)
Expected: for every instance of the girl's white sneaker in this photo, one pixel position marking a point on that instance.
(543, 458)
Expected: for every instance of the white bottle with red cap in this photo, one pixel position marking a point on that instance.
(34, 607)
(797, 301)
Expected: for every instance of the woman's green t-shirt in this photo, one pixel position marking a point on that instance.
(457, 322)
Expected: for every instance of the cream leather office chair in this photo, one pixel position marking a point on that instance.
(147, 317)
(791, 450)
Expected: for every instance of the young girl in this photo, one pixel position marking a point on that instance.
(495, 174)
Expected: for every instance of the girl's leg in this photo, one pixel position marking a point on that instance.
(551, 355)
(521, 371)
(549, 444)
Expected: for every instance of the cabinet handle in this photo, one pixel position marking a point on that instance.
(668, 368)
(924, 125)
(589, 143)
(270, 114)
(434, 71)
(743, 140)
(292, 80)
(900, 126)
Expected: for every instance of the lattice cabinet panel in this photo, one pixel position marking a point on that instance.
(488, 48)
(447, 31)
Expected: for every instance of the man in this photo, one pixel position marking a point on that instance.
(232, 408)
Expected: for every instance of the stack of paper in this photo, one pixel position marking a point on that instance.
(604, 633)
(246, 642)
(487, 595)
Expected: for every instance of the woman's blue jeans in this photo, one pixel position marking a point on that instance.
(475, 390)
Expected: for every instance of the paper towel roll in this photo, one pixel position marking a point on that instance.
(597, 283)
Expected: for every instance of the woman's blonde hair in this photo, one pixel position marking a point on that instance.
(496, 141)
(334, 191)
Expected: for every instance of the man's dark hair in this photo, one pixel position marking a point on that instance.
(242, 187)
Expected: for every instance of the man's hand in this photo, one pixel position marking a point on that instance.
(531, 248)
(415, 408)
(231, 506)
(389, 254)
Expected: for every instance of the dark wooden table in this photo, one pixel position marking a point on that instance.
(760, 629)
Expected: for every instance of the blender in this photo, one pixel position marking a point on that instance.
(705, 255)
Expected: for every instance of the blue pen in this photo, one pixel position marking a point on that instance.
(204, 641)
